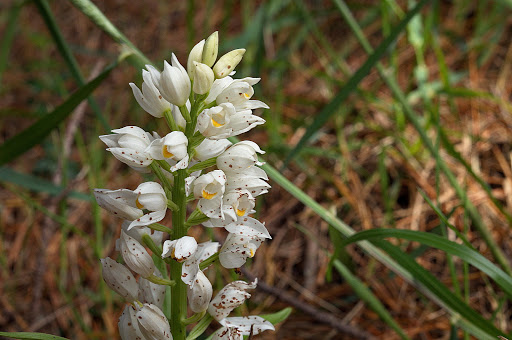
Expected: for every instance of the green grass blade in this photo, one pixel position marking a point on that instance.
(88, 8)
(34, 134)
(415, 121)
(8, 36)
(278, 317)
(35, 336)
(352, 83)
(463, 252)
(367, 296)
(65, 51)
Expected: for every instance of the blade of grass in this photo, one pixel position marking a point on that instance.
(34, 134)
(88, 8)
(65, 51)
(35, 336)
(352, 83)
(463, 252)
(8, 36)
(413, 118)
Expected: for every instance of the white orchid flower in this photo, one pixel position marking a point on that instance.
(128, 145)
(128, 326)
(174, 82)
(239, 157)
(128, 204)
(235, 204)
(190, 268)
(224, 121)
(200, 294)
(230, 297)
(210, 148)
(244, 238)
(234, 328)
(255, 184)
(152, 323)
(239, 93)
(150, 292)
(172, 146)
(209, 188)
(150, 98)
(203, 78)
(180, 249)
(119, 279)
(135, 256)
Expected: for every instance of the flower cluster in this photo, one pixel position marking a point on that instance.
(203, 106)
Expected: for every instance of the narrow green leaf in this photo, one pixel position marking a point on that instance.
(35, 336)
(33, 135)
(463, 252)
(352, 83)
(8, 35)
(278, 317)
(367, 296)
(37, 184)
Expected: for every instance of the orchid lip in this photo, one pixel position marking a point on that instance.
(208, 195)
(166, 152)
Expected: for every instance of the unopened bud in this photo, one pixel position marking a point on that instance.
(200, 293)
(195, 55)
(211, 49)
(227, 63)
(203, 78)
(119, 279)
(152, 323)
(136, 256)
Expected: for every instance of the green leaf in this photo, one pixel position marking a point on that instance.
(278, 317)
(352, 83)
(37, 184)
(463, 252)
(367, 296)
(35, 336)
(33, 135)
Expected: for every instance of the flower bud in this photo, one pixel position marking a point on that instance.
(239, 157)
(135, 256)
(128, 326)
(119, 279)
(152, 323)
(211, 49)
(175, 83)
(200, 294)
(203, 78)
(227, 63)
(195, 55)
(180, 249)
(172, 146)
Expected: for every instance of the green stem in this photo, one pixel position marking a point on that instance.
(171, 205)
(170, 120)
(165, 181)
(179, 291)
(161, 281)
(200, 327)
(194, 318)
(209, 261)
(202, 165)
(185, 114)
(148, 241)
(197, 217)
(160, 227)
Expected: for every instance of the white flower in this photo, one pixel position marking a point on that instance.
(209, 188)
(119, 279)
(236, 327)
(174, 82)
(190, 268)
(235, 204)
(210, 148)
(224, 121)
(195, 55)
(244, 238)
(230, 297)
(137, 233)
(252, 180)
(135, 256)
(203, 78)
(239, 93)
(152, 323)
(227, 63)
(210, 49)
(150, 98)
(240, 156)
(200, 294)
(128, 204)
(180, 249)
(128, 326)
(150, 292)
(128, 145)
(172, 146)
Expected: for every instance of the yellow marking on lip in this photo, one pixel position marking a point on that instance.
(207, 195)
(246, 95)
(166, 152)
(216, 124)
(252, 252)
(137, 203)
(240, 212)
